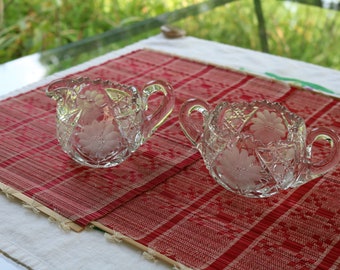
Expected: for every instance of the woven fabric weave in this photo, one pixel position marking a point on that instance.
(163, 196)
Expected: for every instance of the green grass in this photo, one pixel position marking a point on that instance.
(296, 31)
(28, 26)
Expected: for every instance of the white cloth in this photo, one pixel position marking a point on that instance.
(36, 242)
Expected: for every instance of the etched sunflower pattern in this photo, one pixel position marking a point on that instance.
(98, 139)
(241, 169)
(268, 127)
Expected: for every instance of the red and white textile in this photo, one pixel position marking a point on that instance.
(163, 196)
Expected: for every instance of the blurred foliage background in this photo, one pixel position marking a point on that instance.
(304, 32)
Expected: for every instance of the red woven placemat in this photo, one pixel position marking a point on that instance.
(194, 221)
(163, 196)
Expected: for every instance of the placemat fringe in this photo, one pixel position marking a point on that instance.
(115, 237)
(62, 224)
(38, 208)
(8, 191)
(33, 205)
(148, 253)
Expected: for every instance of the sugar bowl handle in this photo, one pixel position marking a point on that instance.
(322, 133)
(193, 125)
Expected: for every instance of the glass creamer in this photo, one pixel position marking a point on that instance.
(100, 122)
